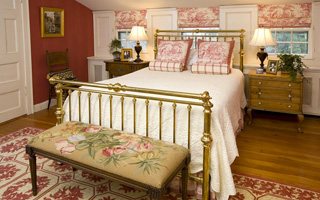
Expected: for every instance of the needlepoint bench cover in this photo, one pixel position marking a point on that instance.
(129, 155)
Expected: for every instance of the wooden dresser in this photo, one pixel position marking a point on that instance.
(119, 68)
(275, 93)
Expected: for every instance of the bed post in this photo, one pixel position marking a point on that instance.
(206, 139)
(155, 49)
(241, 49)
(60, 112)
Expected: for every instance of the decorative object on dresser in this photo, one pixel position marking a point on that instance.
(291, 64)
(126, 54)
(114, 47)
(118, 68)
(272, 67)
(275, 93)
(138, 34)
(262, 37)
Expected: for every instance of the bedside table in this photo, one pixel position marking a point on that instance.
(275, 93)
(119, 68)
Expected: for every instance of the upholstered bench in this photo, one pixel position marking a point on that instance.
(137, 161)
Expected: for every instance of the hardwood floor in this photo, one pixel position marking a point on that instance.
(270, 148)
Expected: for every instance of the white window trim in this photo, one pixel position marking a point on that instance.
(309, 56)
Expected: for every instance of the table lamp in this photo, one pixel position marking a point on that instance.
(137, 34)
(262, 37)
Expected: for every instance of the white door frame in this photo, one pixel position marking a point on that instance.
(27, 55)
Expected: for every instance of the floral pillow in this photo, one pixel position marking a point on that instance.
(215, 52)
(174, 51)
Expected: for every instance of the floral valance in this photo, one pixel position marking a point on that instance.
(127, 19)
(285, 16)
(198, 17)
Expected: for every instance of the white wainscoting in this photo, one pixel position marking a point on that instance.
(97, 69)
(311, 92)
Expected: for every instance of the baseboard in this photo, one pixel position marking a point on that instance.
(44, 105)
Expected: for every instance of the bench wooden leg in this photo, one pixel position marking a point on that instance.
(33, 169)
(184, 177)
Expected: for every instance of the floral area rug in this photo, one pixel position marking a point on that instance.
(60, 182)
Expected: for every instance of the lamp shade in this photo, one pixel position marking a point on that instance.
(137, 34)
(262, 37)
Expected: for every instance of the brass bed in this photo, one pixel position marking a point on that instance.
(121, 93)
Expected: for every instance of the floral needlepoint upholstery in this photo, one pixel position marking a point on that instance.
(133, 156)
(63, 75)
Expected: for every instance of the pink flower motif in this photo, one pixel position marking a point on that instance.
(91, 129)
(144, 147)
(107, 152)
(64, 147)
(131, 139)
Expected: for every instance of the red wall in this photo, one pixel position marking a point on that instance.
(78, 38)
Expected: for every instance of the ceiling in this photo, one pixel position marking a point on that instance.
(96, 5)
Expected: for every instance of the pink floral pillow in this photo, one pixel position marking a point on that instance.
(215, 52)
(174, 51)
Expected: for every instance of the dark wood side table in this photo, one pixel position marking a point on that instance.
(119, 68)
(275, 93)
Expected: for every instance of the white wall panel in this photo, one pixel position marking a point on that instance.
(103, 32)
(164, 19)
(241, 17)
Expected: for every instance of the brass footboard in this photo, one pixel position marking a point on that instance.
(134, 93)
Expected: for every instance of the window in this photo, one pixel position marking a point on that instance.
(291, 41)
(122, 36)
(191, 35)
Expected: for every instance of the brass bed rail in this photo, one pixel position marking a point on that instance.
(201, 34)
(161, 96)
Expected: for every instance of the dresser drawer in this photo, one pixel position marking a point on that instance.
(275, 106)
(275, 84)
(283, 95)
(119, 69)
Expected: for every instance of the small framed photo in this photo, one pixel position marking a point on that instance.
(126, 54)
(272, 67)
(52, 22)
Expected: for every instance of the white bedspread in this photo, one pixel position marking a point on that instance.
(227, 92)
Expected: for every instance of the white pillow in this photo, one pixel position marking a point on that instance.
(193, 58)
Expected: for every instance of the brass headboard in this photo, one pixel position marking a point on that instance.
(201, 34)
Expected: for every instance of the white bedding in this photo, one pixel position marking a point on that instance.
(227, 92)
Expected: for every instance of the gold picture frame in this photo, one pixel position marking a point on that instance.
(272, 67)
(52, 22)
(126, 54)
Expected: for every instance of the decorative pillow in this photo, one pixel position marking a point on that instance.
(166, 66)
(174, 51)
(192, 58)
(215, 52)
(211, 68)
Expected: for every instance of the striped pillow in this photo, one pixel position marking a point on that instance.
(166, 66)
(211, 68)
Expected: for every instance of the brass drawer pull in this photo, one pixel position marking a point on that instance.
(289, 85)
(289, 106)
(259, 103)
(259, 82)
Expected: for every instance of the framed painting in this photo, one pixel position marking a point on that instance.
(272, 67)
(52, 22)
(126, 54)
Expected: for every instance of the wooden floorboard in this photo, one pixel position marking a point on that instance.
(270, 148)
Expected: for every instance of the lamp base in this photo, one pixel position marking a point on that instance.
(262, 55)
(138, 49)
(138, 60)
